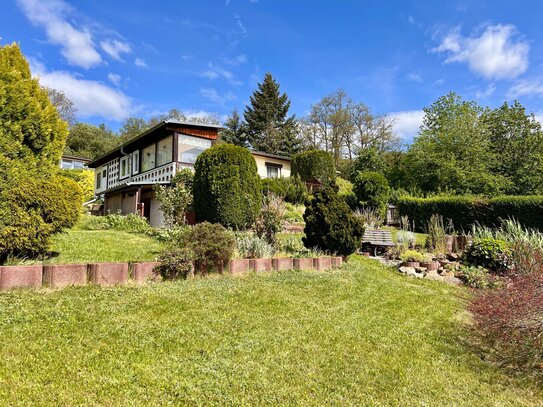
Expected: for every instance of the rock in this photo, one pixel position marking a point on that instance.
(452, 280)
(447, 273)
(406, 270)
(453, 256)
(433, 275)
(417, 275)
(420, 269)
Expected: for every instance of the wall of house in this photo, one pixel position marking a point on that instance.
(263, 171)
(113, 203)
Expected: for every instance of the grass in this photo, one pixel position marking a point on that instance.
(361, 335)
(91, 246)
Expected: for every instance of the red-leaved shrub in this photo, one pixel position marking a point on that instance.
(510, 319)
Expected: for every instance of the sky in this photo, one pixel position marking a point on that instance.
(116, 59)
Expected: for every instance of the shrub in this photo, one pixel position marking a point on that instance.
(292, 189)
(369, 217)
(176, 234)
(406, 238)
(478, 277)
(293, 246)
(435, 241)
(32, 209)
(467, 211)
(253, 247)
(227, 188)
(330, 224)
(294, 213)
(175, 263)
(129, 223)
(176, 199)
(211, 244)
(314, 165)
(84, 178)
(509, 320)
(490, 253)
(346, 192)
(270, 220)
(372, 190)
(412, 255)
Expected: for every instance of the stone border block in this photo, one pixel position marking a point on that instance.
(108, 273)
(145, 271)
(239, 266)
(260, 265)
(303, 263)
(20, 277)
(337, 261)
(64, 275)
(322, 263)
(282, 264)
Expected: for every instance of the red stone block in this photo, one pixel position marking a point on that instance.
(20, 277)
(63, 275)
(322, 263)
(337, 261)
(239, 266)
(282, 264)
(108, 273)
(142, 272)
(303, 264)
(261, 264)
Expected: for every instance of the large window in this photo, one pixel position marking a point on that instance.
(164, 153)
(273, 170)
(135, 162)
(191, 147)
(148, 158)
(125, 168)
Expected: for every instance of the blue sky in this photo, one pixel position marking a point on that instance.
(139, 58)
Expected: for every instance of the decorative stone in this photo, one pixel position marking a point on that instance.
(108, 273)
(20, 277)
(433, 275)
(406, 270)
(64, 275)
(142, 272)
(282, 264)
(239, 266)
(259, 265)
(303, 263)
(322, 263)
(452, 280)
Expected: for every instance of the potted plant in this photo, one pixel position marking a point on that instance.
(429, 263)
(411, 258)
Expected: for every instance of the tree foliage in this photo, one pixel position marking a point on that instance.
(176, 199)
(330, 224)
(227, 187)
(314, 165)
(372, 191)
(269, 128)
(235, 131)
(88, 141)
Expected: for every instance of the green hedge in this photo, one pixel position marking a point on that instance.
(291, 189)
(226, 186)
(465, 211)
(314, 165)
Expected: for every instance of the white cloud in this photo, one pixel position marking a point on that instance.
(214, 96)
(187, 57)
(240, 24)
(407, 124)
(114, 78)
(526, 87)
(235, 61)
(414, 77)
(485, 93)
(92, 98)
(494, 54)
(140, 62)
(115, 48)
(216, 71)
(76, 45)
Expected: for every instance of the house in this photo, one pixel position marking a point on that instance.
(70, 162)
(125, 176)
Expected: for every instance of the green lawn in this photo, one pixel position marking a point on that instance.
(361, 335)
(91, 246)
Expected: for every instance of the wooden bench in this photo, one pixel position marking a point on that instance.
(377, 238)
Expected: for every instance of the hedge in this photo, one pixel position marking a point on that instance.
(465, 211)
(226, 186)
(314, 165)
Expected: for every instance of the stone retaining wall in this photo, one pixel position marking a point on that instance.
(63, 275)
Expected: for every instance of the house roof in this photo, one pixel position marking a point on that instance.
(263, 154)
(160, 127)
(73, 157)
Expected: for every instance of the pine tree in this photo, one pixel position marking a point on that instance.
(234, 131)
(269, 127)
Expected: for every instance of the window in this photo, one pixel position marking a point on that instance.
(191, 147)
(125, 169)
(148, 158)
(79, 164)
(66, 164)
(98, 180)
(273, 170)
(135, 162)
(164, 155)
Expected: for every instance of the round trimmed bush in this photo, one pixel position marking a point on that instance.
(490, 253)
(175, 264)
(372, 190)
(227, 187)
(314, 165)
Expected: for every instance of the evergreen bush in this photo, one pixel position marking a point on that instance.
(330, 224)
(372, 191)
(212, 246)
(314, 165)
(227, 187)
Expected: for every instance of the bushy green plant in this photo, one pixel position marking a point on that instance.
(314, 165)
(84, 178)
(211, 244)
(253, 247)
(412, 255)
(177, 234)
(369, 217)
(477, 277)
(175, 263)
(406, 238)
(176, 199)
(291, 189)
(294, 213)
(270, 220)
(129, 223)
(345, 191)
(330, 224)
(435, 241)
(294, 247)
(372, 190)
(227, 187)
(490, 253)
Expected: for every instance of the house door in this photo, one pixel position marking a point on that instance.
(146, 208)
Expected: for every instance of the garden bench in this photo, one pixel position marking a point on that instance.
(377, 238)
